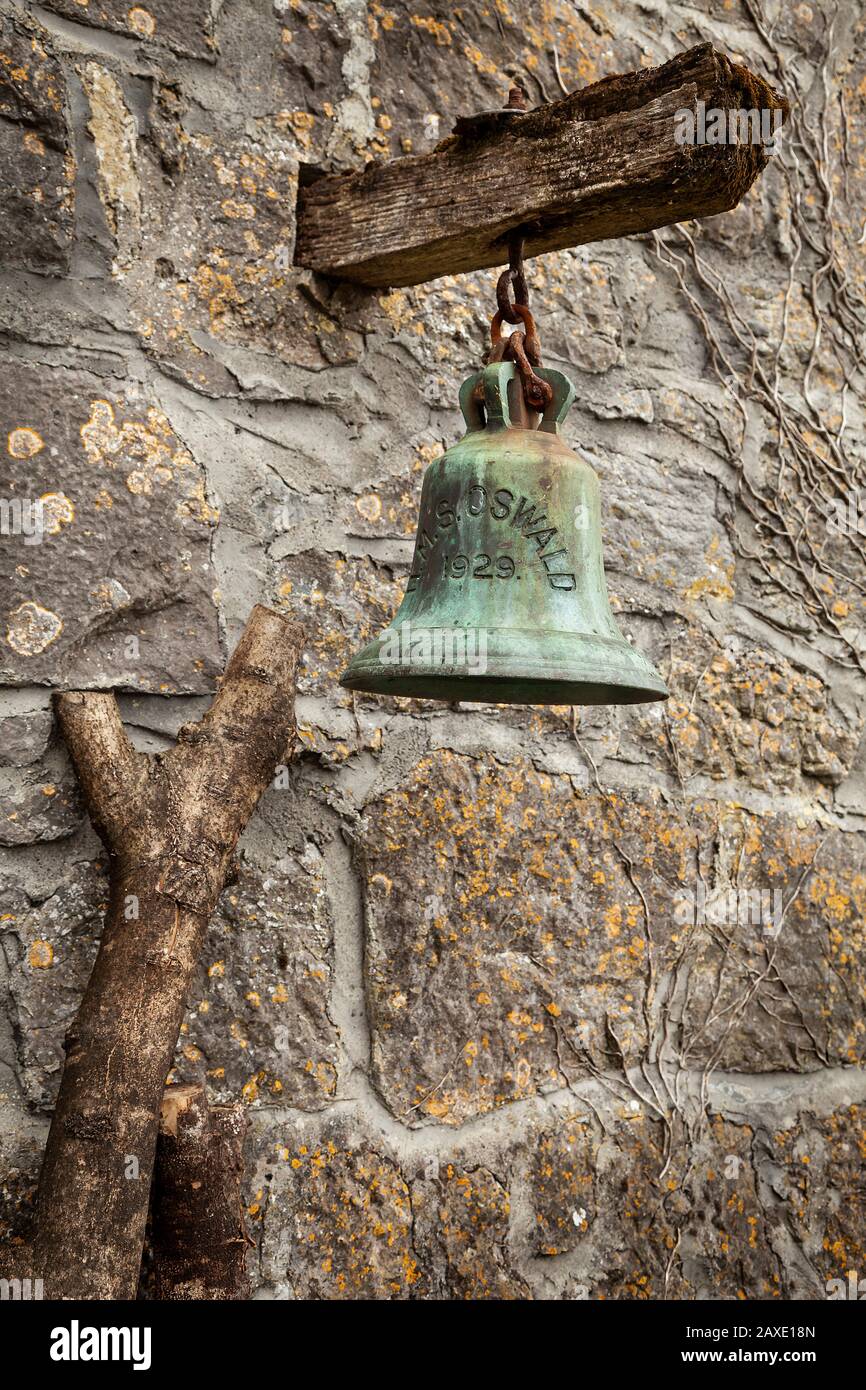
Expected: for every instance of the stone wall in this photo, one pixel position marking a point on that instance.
(489, 982)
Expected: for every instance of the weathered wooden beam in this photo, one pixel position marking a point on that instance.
(602, 162)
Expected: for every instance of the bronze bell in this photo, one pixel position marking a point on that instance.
(507, 599)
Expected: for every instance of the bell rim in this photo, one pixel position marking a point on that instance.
(498, 690)
(570, 679)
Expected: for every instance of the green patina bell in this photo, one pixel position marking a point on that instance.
(507, 599)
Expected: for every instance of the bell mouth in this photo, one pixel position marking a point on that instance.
(500, 690)
(516, 667)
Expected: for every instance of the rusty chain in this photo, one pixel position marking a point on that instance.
(523, 345)
(513, 274)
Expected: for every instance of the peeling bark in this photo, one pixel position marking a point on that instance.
(198, 1234)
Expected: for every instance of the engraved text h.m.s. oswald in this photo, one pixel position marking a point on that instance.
(522, 515)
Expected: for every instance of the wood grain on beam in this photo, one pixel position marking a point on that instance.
(602, 162)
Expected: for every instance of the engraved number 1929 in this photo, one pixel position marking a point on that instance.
(480, 567)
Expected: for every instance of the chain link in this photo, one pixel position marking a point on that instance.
(523, 345)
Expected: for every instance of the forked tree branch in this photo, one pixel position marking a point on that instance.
(170, 824)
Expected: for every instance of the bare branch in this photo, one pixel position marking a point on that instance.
(111, 773)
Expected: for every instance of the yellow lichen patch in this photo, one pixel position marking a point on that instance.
(439, 1106)
(217, 287)
(24, 442)
(296, 123)
(753, 713)
(156, 456)
(439, 31)
(379, 18)
(138, 483)
(99, 435)
(142, 21)
(717, 583)
(236, 210)
(478, 60)
(369, 506)
(57, 511)
(31, 628)
(41, 955)
(400, 310)
(507, 913)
